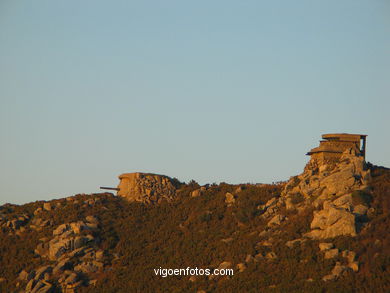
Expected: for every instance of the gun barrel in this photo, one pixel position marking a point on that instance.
(109, 188)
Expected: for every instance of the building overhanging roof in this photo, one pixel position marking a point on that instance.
(343, 136)
(323, 150)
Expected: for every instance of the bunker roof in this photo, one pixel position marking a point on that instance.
(343, 136)
(331, 142)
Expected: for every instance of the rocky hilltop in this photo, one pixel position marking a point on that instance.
(338, 192)
(338, 189)
(325, 230)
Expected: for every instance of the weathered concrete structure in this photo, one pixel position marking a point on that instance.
(146, 187)
(334, 144)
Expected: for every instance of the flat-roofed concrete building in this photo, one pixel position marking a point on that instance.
(334, 144)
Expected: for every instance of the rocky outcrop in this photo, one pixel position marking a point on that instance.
(73, 257)
(276, 220)
(329, 185)
(291, 243)
(16, 224)
(146, 187)
(47, 206)
(333, 179)
(230, 199)
(324, 246)
(241, 267)
(331, 253)
(332, 221)
(339, 269)
(199, 191)
(38, 223)
(67, 238)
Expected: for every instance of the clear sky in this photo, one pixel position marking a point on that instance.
(233, 91)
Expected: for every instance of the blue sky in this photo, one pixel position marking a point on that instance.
(233, 91)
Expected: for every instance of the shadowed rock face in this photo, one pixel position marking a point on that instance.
(146, 187)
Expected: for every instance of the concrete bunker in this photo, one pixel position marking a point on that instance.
(334, 144)
(145, 187)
